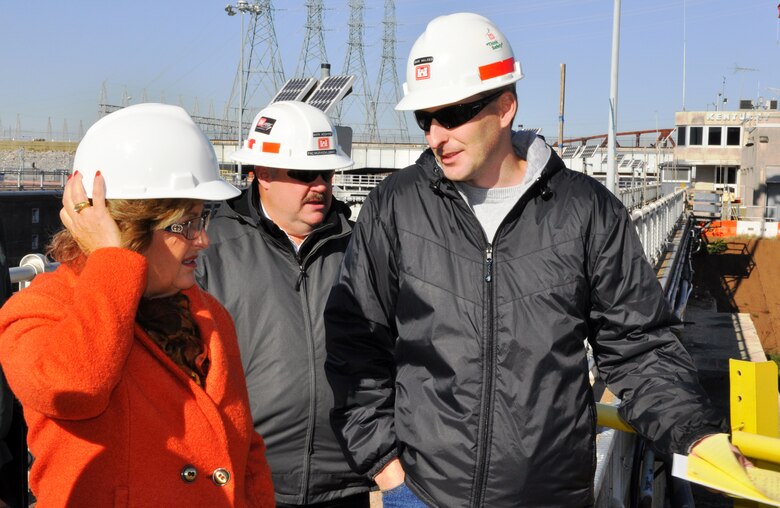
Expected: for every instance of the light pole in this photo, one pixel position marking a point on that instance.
(241, 6)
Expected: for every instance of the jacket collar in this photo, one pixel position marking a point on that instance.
(526, 144)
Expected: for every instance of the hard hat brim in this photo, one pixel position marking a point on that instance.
(334, 162)
(419, 99)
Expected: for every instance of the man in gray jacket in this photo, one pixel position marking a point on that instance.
(274, 254)
(456, 327)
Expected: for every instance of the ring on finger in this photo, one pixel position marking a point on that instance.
(78, 207)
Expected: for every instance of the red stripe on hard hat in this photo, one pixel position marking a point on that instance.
(271, 147)
(496, 69)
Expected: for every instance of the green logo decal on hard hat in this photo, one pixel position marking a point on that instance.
(492, 42)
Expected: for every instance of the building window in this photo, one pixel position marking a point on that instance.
(714, 135)
(697, 135)
(681, 135)
(732, 136)
(36, 215)
(676, 174)
(34, 242)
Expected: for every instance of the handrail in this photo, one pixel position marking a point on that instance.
(30, 266)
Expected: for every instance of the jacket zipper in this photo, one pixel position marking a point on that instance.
(486, 409)
(312, 383)
(302, 282)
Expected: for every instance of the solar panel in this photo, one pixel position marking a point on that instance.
(588, 151)
(295, 89)
(568, 152)
(330, 91)
(625, 163)
(636, 163)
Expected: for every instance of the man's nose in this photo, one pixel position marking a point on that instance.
(436, 135)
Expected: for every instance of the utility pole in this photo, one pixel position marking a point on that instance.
(613, 91)
(561, 106)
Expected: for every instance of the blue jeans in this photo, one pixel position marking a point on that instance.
(401, 497)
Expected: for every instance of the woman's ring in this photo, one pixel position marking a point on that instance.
(78, 207)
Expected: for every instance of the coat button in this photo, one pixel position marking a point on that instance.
(221, 477)
(189, 473)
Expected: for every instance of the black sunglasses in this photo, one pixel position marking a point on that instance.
(453, 116)
(309, 176)
(192, 228)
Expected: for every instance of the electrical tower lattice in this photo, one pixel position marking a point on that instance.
(263, 72)
(355, 63)
(313, 50)
(387, 92)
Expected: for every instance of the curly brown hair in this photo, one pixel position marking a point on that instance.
(137, 220)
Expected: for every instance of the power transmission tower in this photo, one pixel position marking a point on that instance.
(263, 73)
(313, 50)
(355, 64)
(387, 91)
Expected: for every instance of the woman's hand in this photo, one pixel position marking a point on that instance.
(90, 224)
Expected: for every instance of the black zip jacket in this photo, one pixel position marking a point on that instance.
(277, 298)
(466, 359)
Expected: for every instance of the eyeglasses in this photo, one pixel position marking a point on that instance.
(192, 228)
(453, 116)
(309, 176)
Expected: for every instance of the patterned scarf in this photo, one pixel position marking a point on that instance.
(169, 322)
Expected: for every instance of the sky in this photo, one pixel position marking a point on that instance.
(56, 57)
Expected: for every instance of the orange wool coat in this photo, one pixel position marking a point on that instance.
(112, 420)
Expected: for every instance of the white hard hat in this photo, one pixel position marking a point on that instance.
(458, 56)
(151, 151)
(293, 135)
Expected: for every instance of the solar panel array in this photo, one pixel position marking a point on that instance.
(330, 91)
(636, 163)
(296, 89)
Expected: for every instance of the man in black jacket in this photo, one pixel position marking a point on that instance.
(456, 328)
(275, 251)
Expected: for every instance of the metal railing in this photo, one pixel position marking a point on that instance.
(30, 266)
(656, 221)
(633, 197)
(32, 179)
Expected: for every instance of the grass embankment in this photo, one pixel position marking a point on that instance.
(39, 146)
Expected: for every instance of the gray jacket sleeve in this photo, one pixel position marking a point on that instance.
(360, 338)
(636, 350)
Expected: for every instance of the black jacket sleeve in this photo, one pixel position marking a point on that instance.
(636, 350)
(360, 338)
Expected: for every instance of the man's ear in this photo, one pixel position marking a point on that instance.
(264, 176)
(507, 108)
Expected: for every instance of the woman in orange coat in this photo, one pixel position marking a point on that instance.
(128, 373)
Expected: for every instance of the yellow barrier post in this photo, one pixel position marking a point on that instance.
(607, 416)
(754, 407)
